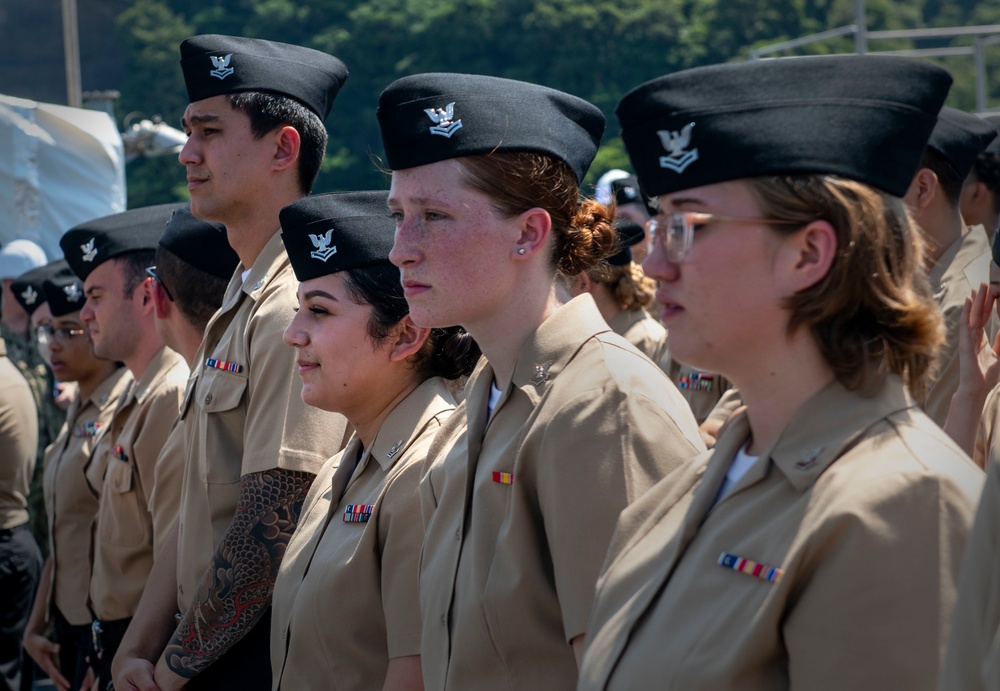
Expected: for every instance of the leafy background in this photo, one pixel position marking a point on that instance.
(597, 49)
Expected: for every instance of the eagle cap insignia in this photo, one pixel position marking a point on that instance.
(541, 374)
(676, 143)
(29, 295)
(73, 292)
(444, 120)
(222, 68)
(89, 251)
(322, 244)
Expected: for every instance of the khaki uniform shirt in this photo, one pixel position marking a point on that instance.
(128, 522)
(70, 502)
(959, 271)
(642, 331)
(18, 443)
(972, 662)
(245, 413)
(831, 564)
(345, 601)
(519, 509)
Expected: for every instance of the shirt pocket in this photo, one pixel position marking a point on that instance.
(219, 395)
(128, 518)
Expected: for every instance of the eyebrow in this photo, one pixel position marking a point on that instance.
(681, 201)
(199, 119)
(319, 294)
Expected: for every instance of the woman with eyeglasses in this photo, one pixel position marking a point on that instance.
(565, 423)
(818, 546)
(58, 633)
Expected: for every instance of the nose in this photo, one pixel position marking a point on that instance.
(404, 247)
(190, 154)
(87, 313)
(657, 265)
(295, 334)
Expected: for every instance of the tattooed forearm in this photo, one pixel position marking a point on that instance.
(237, 588)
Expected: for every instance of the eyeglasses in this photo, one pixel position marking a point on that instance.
(151, 272)
(675, 231)
(62, 336)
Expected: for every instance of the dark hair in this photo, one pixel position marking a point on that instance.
(987, 171)
(873, 313)
(133, 266)
(197, 294)
(520, 180)
(949, 180)
(267, 112)
(449, 353)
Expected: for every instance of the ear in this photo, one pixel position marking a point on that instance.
(408, 339)
(536, 225)
(581, 284)
(287, 141)
(808, 255)
(146, 295)
(161, 304)
(923, 189)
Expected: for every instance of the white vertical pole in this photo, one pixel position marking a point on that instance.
(71, 46)
(861, 36)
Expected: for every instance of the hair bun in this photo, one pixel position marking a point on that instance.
(589, 239)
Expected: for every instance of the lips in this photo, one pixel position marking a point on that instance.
(306, 366)
(668, 307)
(412, 288)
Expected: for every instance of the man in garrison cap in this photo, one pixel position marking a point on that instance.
(256, 141)
(958, 256)
(138, 495)
(980, 200)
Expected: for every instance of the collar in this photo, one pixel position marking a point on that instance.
(959, 254)
(270, 261)
(111, 387)
(828, 424)
(164, 360)
(3, 348)
(621, 322)
(408, 419)
(554, 343)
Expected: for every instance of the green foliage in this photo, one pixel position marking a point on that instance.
(597, 49)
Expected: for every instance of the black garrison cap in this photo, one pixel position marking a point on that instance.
(90, 244)
(201, 244)
(960, 137)
(994, 120)
(214, 65)
(629, 234)
(28, 287)
(862, 117)
(64, 292)
(426, 118)
(328, 233)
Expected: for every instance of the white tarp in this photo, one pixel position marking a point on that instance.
(59, 166)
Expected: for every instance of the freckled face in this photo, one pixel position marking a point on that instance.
(452, 248)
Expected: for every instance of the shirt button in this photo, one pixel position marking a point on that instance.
(444, 619)
(458, 534)
(208, 398)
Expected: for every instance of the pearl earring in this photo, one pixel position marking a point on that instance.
(521, 251)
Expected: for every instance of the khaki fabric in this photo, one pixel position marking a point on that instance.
(641, 330)
(519, 509)
(959, 271)
(972, 662)
(70, 503)
(701, 389)
(248, 421)
(866, 506)
(987, 447)
(128, 523)
(726, 406)
(345, 601)
(18, 442)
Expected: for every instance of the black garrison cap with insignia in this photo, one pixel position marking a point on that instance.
(426, 118)
(214, 65)
(629, 234)
(28, 288)
(328, 233)
(201, 244)
(64, 292)
(862, 117)
(90, 244)
(960, 137)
